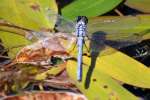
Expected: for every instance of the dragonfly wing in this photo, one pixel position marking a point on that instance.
(113, 24)
(61, 24)
(99, 42)
(131, 39)
(107, 34)
(40, 35)
(64, 29)
(64, 25)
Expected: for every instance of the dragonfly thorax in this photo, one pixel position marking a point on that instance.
(81, 29)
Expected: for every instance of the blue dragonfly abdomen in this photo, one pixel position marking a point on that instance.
(81, 31)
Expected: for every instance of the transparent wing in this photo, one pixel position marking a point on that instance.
(99, 42)
(62, 24)
(116, 32)
(63, 29)
(65, 26)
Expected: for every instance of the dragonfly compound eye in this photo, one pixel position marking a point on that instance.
(83, 18)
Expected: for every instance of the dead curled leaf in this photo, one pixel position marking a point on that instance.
(21, 75)
(48, 96)
(40, 53)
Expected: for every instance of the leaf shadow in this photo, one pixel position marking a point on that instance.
(97, 44)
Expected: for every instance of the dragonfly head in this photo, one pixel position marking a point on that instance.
(82, 18)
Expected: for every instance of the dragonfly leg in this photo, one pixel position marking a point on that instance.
(73, 47)
(86, 46)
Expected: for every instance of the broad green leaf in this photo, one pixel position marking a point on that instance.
(125, 69)
(9, 27)
(96, 84)
(120, 28)
(13, 42)
(13, 38)
(31, 14)
(141, 5)
(88, 8)
(119, 66)
(52, 71)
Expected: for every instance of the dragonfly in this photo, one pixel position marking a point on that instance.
(99, 36)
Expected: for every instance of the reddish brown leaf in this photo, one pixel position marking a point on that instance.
(41, 52)
(48, 96)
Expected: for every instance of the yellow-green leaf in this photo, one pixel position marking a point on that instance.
(52, 71)
(120, 67)
(124, 68)
(120, 28)
(30, 14)
(13, 42)
(97, 85)
(99, 73)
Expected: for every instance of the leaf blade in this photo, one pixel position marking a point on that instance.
(88, 8)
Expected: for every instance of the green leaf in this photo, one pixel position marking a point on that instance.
(31, 14)
(141, 5)
(52, 71)
(88, 8)
(117, 66)
(13, 42)
(120, 28)
(125, 69)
